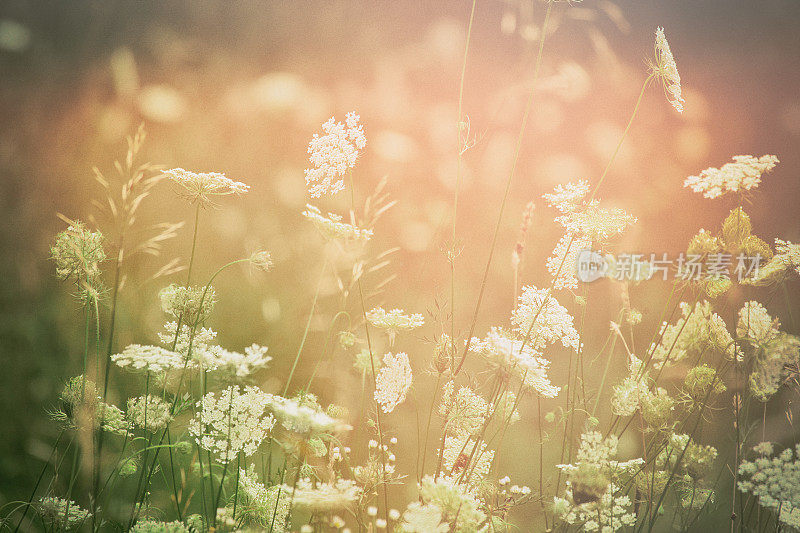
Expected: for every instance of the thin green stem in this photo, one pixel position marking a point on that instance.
(517, 151)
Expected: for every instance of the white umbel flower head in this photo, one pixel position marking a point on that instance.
(150, 413)
(394, 321)
(333, 154)
(393, 381)
(201, 187)
(150, 358)
(464, 411)
(666, 70)
(505, 353)
(304, 417)
(232, 421)
(323, 497)
(743, 174)
(543, 319)
(78, 252)
(332, 228)
(233, 364)
(61, 513)
(423, 518)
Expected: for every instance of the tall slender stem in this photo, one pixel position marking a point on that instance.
(460, 151)
(520, 136)
(308, 326)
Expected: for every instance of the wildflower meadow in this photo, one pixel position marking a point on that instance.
(234, 349)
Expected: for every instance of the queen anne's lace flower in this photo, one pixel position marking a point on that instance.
(465, 411)
(464, 463)
(61, 513)
(459, 507)
(394, 321)
(755, 324)
(191, 304)
(744, 173)
(423, 518)
(611, 512)
(698, 329)
(506, 354)
(696, 460)
(594, 223)
(770, 365)
(149, 412)
(562, 263)
(393, 381)
(333, 154)
(567, 198)
(324, 497)
(150, 358)
(78, 252)
(232, 421)
(155, 526)
(331, 226)
(786, 258)
(539, 316)
(267, 507)
(202, 339)
(627, 396)
(235, 364)
(667, 71)
(303, 415)
(593, 496)
(261, 260)
(201, 187)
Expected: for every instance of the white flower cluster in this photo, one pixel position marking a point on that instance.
(755, 324)
(543, 320)
(62, 513)
(698, 329)
(464, 461)
(333, 154)
(190, 304)
(612, 512)
(561, 264)
(774, 480)
(786, 258)
(393, 381)
(304, 416)
(567, 198)
(78, 253)
(423, 518)
(234, 364)
(149, 412)
(505, 353)
(233, 421)
(744, 173)
(593, 496)
(209, 356)
(156, 526)
(201, 187)
(201, 340)
(267, 507)
(324, 497)
(394, 321)
(465, 411)
(458, 506)
(149, 358)
(331, 226)
(585, 223)
(628, 395)
(667, 71)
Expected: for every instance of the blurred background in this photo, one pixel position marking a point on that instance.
(240, 87)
